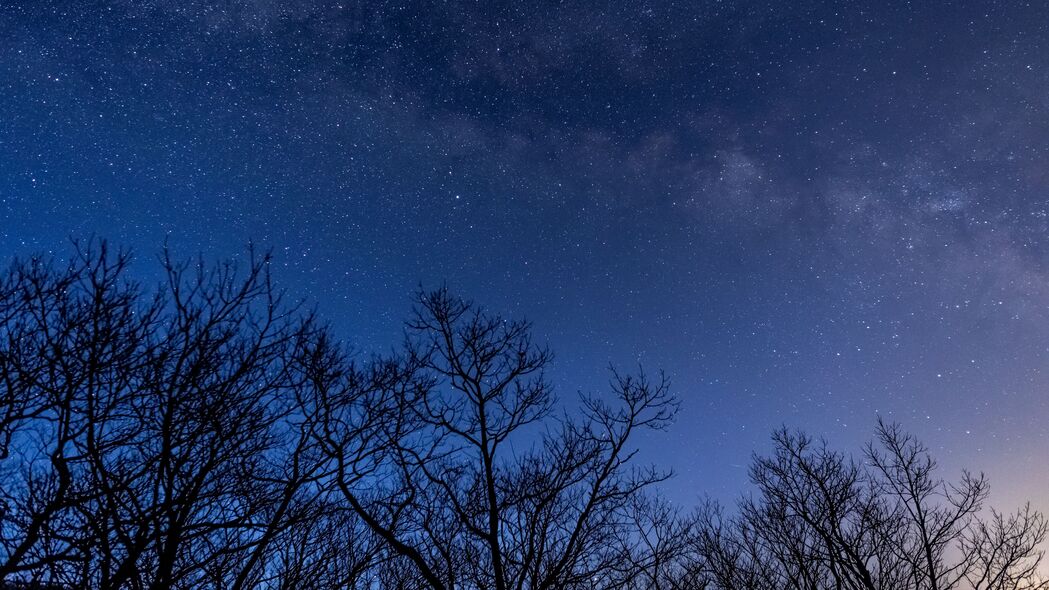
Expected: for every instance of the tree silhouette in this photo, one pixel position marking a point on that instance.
(436, 475)
(823, 520)
(150, 440)
(206, 433)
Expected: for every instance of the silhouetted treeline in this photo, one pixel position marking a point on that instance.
(207, 433)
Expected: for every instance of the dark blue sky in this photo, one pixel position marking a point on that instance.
(807, 213)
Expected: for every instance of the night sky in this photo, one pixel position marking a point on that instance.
(807, 213)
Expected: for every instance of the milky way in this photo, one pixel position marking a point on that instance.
(807, 213)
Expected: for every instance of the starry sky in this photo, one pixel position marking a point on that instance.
(807, 213)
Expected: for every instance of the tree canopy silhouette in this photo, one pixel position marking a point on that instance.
(822, 519)
(208, 433)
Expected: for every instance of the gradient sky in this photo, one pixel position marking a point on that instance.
(807, 213)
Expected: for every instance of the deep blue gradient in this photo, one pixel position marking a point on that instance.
(807, 213)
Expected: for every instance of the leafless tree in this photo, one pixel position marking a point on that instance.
(208, 434)
(948, 542)
(823, 520)
(69, 346)
(471, 478)
(152, 441)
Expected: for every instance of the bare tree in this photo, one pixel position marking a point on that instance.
(208, 434)
(462, 487)
(824, 520)
(69, 346)
(948, 544)
(152, 441)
